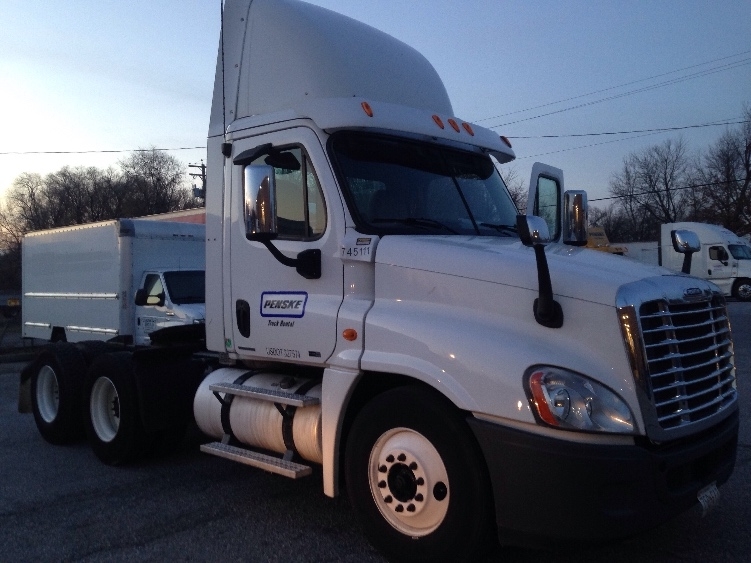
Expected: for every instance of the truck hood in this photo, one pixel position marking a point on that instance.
(578, 273)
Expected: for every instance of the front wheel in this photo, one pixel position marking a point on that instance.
(742, 289)
(416, 480)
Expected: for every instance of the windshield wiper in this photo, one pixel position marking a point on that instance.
(417, 221)
(509, 230)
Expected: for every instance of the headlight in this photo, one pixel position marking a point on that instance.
(567, 400)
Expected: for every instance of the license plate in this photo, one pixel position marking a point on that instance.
(708, 497)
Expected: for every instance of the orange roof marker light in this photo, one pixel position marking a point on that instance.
(468, 128)
(438, 121)
(367, 109)
(454, 125)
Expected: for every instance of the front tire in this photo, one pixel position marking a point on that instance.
(56, 383)
(113, 421)
(742, 289)
(416, 480)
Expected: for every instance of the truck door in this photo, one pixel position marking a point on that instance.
(719, 270)
(276, 312)
(155, 313)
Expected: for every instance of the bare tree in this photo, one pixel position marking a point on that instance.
(725, 174)
(614, 220)
(154, 182)
(651, 187)
(516, 187)
(27, 203)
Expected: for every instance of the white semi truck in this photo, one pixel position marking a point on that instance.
(375, 307)
(121, 279)
(724, 258)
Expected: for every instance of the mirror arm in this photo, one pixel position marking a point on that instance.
(307, 263)
(546, 309)
(686, 269)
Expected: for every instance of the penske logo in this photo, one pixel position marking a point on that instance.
(283, 304)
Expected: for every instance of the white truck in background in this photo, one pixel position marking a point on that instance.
(724, 258)
(113, 280)
(375, 307)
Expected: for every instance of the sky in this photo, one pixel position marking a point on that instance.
(95, 79)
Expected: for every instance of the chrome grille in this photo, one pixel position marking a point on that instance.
(689, 359)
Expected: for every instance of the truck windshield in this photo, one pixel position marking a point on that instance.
(402, 186)
(186, 287)
(740, 251)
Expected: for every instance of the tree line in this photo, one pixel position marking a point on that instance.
(144, 183)
(666, 183)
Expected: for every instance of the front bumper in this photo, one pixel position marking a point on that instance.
(547, 489)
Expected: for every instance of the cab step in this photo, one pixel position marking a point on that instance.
(256, 459)
(280, 397)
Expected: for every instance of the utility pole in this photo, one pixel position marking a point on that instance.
(199, 193)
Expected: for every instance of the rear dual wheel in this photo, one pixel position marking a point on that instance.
(56, 383)
(113, 421)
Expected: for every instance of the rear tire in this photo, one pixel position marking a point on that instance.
(416, 480)
(113, 421)
(56, 383)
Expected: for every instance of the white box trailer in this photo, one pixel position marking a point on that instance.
(80, 282)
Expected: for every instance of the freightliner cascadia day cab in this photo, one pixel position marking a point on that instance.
(376, 308)
(724, 258)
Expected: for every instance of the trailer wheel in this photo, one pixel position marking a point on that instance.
(113, 421)
(742, 289)
(415, 478)
(56, 383)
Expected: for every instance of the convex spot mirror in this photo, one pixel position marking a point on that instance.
(575, 212)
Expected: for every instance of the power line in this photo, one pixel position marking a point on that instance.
(100, 151)
(660, 130)
(561, 136)
(586, 146)
(708, 72)
(613, 87)
(648, 192)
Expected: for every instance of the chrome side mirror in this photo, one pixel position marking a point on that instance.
(259, 189)
(575, 212)
(686, 243)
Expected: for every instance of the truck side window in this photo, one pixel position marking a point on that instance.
(718, 253)
(546, 203)
(300, 207)
(154, 289)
